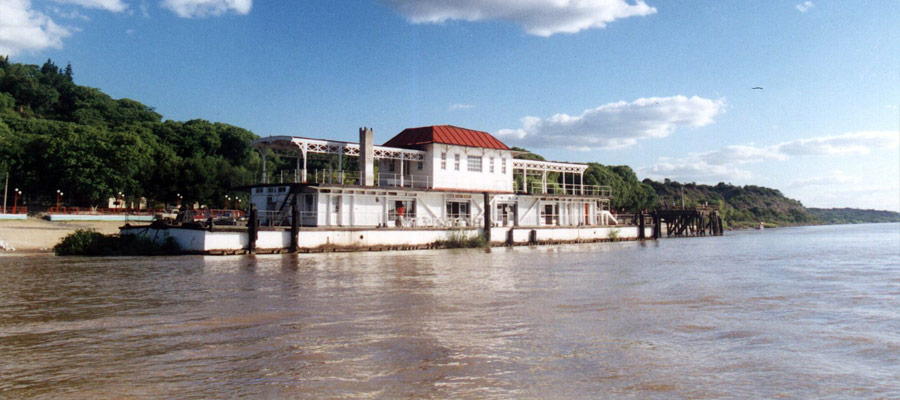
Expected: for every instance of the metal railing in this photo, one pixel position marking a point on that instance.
(567, 189)
(378, 219)
(337, 177)
(410, 181)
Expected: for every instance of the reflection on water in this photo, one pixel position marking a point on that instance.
(800, 312)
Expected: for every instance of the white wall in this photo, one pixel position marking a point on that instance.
(450, 178)
(203, 241)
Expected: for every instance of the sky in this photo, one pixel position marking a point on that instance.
(801, 96)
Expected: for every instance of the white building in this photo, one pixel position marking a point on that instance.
(433, 176)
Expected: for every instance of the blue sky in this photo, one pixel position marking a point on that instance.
(664, 87)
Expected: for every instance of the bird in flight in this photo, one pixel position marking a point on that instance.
(757, 88)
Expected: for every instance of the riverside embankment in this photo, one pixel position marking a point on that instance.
(39, 235)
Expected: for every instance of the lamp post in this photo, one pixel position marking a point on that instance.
(121, 202)
(17, 193)
(59, 194)
(178, 201)
(238, 206)
(226, 201)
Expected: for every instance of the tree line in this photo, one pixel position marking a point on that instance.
(57, 135)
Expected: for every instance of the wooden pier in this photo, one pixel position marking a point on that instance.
(686, 222)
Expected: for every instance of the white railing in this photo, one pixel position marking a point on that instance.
(379, 219)
(569, 189)
(409, 181)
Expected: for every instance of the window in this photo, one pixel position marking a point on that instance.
(421, 165)
(400, 209)
(456, 161)
(474, 163)
(458, 209)
(503, 166)
(492, 165)
(391, 166)
(443, 160)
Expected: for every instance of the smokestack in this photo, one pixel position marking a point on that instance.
(366, 157)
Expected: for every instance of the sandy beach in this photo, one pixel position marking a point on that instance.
(39, 235)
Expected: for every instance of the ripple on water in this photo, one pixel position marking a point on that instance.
(788, 313)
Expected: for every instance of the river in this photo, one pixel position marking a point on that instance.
(808, 312)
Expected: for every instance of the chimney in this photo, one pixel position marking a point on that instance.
(366, 157)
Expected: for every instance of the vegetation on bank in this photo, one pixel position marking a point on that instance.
(56, 135)
(853, 215)
(86, 242)
(460, 239)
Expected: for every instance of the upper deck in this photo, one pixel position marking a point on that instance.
(433, 167)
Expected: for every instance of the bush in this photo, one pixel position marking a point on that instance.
(613, 234)
(461, 240)
(85, 242)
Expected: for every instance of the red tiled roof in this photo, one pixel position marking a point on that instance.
(446, 134)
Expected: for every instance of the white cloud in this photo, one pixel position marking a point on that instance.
(538, 17)
(109, 5)
(805, 6)
(858, 143)
(836, 177)
(692, 170)
(855, 143)
(24, 29)
(615, 125)
(878, 197)
(205, 8)
(69, 14)
(740, 154)
(722, 164)
(457, 107)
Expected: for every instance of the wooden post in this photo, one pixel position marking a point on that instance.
(5, 188)
(252, 229)
(641, 225)
(487, 217)
(656, 227)
(295, 224)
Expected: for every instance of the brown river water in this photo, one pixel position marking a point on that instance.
(810, 312)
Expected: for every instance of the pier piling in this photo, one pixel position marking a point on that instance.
(252, 229)
(295, 224)
(487, 216)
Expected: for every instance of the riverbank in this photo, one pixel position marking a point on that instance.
(35, 235)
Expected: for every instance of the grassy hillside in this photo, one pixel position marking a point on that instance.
(741, 206)
(853, 215)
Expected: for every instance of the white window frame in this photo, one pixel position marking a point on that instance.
(444, 160)
(456, 161)
(474, 163)
(492, 165)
